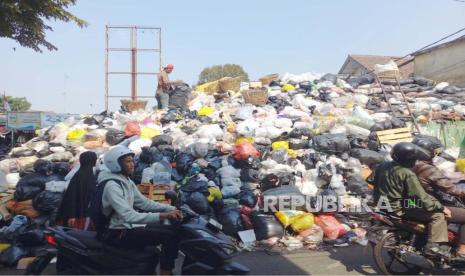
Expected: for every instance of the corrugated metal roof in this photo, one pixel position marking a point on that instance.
(442, 45)
(369, 62)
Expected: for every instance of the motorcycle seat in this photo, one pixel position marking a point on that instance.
(89, 239)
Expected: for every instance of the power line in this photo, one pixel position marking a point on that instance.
(436, 42)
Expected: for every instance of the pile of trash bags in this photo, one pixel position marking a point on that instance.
(316, 135)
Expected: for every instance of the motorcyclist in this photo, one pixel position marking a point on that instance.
(395, 182)
(433, 180)
(438, 185)
(129, 228)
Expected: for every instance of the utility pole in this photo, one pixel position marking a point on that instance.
(64, 92)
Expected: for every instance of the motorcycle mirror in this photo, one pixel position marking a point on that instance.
(172, 196)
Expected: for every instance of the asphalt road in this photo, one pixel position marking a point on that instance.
(353, 260)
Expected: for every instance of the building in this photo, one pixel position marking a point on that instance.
(357, 65)
(444, 62)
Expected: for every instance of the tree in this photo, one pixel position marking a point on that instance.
(16, 104)
(217, 72)
(23, 20)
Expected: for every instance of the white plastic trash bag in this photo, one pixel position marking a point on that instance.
(56, 186)
(136, 146)
(283, 123)
(12, 179)
(245, 112)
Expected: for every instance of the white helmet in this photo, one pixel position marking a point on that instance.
(112, 157)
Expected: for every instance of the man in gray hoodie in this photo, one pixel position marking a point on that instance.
(127, 227)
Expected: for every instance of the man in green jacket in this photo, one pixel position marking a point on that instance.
(397, 185)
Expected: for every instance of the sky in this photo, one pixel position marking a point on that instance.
(263, 36)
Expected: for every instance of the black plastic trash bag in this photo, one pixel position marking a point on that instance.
(423, 81)
(10, 256)
(451, 89)
(46, 201)
(31, 238)
(168, 152)
(140, 167)
(373, 145)
(286, 178)
(331, 143)
(114, 136)
(247, 198)
(329, 77)
(43, 167)
(361, 80)
(198, 202)
(297, 144)
(231, 220)
(306, 85)
(433, 141)
(184, 162)
(61, 168)
(325, 172)
(250, 175)
(195, 185)
(179, 96)
(150, 155)
(170, 117)
(287, 190)
(397, 123)
(377, 127)
(266, 226)
(29, 186)
(270, 181)
(90, 121)
(162, 140)
(358, 143)
(209, 173)
(368, 157)
(273, 197)
(251, 162)
(357, 185)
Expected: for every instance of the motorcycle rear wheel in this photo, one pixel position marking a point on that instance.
(388, 260)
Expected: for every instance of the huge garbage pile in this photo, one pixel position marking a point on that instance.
(314, 136)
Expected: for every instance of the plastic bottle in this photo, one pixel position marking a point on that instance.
(162, 172)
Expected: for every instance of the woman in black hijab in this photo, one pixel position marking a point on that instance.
(73, 209)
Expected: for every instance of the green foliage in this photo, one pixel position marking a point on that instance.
(23, 20)
(16, 104)
(217, 72)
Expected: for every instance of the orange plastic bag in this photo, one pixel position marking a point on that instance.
(332, 228)
(132, 129)
(244, 151)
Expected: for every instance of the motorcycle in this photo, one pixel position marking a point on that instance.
(398, 246)
(206, 251)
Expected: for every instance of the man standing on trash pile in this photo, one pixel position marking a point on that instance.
(119, 200)
(164, 87)
(396, 182)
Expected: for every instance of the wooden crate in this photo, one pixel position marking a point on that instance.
(255, 84)
(394, 136)
(155, 192)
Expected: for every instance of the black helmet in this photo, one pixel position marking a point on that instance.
(428, 149)
(406, 154)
